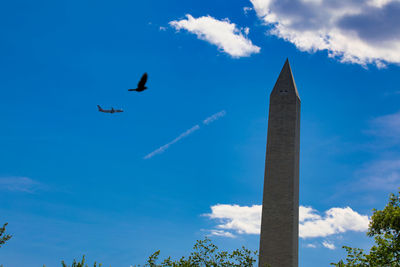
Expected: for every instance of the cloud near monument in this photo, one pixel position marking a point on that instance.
(362, 32)
(222, 33)
(247, 220)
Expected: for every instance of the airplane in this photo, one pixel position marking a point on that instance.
(141, 85)
(112, 110)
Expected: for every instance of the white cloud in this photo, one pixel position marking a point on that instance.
(247, 220)
(222, 33)
(162, 28)
(188, 132)
(334, 221)
(242, 219)
(307, 213)
(356, 31)
(379, 3)
(222, 233)
(22, 184)
(311, 246)
(247, 9)
(328, 245)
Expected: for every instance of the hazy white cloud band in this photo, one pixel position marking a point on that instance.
(247, 220)
(356, 31)
(387, 126)
(19, 184)
(222, 33)
(384, 173)
(380, 175)
(188, 132)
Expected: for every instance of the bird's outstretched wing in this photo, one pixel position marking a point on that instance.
(142, 81)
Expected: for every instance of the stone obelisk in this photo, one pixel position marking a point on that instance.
(280, 207)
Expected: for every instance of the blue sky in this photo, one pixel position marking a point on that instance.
(75, 181)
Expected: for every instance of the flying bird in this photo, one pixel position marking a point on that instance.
(112, 110)
(141, 84)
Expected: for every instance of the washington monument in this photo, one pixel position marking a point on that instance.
(280, 207)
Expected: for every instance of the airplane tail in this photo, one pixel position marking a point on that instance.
(100, 109)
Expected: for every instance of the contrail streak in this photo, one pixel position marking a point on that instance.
(214, 117)
(207, 121)
(164, 147)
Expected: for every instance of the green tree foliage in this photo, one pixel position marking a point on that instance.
(79, 264)
(206, 254)
(385, 229)
(4, 237)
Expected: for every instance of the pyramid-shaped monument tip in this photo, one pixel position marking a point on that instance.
(285, 82)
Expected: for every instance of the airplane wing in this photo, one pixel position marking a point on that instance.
(102, 110)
